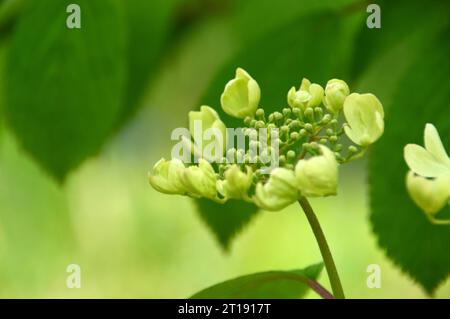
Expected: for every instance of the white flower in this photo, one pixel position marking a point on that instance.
(241, 95)
(280, 190)
(365, 117)
(318, 175)
(428, 182)
(430, 161)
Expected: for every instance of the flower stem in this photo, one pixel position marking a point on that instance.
(333, 275)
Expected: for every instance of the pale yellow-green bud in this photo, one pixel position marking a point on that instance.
(318, 175)
(236, 182)
(209, 131)
(365, 117)
(335, 93)
(241, 95)
(309, 95)
(298, 99)
(431, 195)
(166, 176)
(316, 92)
(278, 192)
(200, 181)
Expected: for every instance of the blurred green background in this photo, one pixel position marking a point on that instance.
(131, 241)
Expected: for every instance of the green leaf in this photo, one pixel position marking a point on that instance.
(226, 220)
(419, 248)
(65, 86)
(148, 27)
(267, 285)
(408, 24)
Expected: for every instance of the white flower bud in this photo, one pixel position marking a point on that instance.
(241, 95)
(279, 191)
(236, 183)
(335, 93)
(431, 195)
(365, 117)
(200, 181)
(165, 176)
(318, 175)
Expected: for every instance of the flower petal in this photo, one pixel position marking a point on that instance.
(422, 162)
(433, 144)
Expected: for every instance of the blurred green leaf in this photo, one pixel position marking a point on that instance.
(410, 240)
(266, 285)
(401, 21)
(148, 27)
(226, 220)
(256, 18)
(65, 86)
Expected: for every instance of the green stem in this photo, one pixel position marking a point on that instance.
(333, 275)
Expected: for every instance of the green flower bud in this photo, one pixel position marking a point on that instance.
(200, 181)
(279, 191)
(352, 149)
(259, 124)
(236, 183)
(287, 112)
(335, 93)
(309, 113)
(317, 176)
(165, 176)
(278, 116)
(247, 120)
(431, 195)
(290, 155)
(259, 113)
(308, 127)
(241, 95)
(364, 114)
(208, 119)
(295, 136)
(326, 119)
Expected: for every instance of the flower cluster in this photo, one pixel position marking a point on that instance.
(319, 129)
(428, 181)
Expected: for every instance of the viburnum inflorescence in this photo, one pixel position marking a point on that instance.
(304, 143)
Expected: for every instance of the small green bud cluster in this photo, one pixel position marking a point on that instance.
(308, 139)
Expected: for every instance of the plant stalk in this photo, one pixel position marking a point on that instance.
(333, 275)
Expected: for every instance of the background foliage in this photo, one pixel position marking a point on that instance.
(84, 114)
